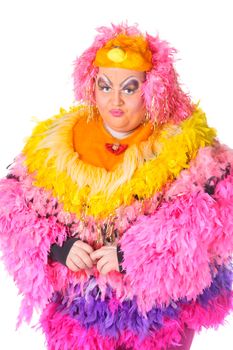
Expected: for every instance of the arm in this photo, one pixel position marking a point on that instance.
(60, 253)
(169, 254)
(26, 236)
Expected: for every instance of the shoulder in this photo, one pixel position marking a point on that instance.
(211, 165)
(51, 130)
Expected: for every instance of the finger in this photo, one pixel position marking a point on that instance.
(78, 262)
(71, 265)
(97, 254)
(76, 251)
(107, 247)
(107, 268)
(84, 246)
(101, 262)
(85, 258)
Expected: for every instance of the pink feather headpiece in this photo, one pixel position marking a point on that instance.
(164, 99)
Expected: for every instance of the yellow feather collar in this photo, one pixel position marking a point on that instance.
(146, 168)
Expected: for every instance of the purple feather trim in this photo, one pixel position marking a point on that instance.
(90, 310)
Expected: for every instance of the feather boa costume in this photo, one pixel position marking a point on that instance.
(170, 203)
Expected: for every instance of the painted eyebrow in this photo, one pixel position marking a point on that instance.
(127, 80)
(108, 80)
(132, 83)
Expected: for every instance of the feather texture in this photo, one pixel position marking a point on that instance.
(173, 216)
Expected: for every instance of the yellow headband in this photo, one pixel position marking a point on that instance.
(129, 52)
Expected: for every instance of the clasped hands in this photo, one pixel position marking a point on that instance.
(83, 256)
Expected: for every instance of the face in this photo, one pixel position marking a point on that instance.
(118, 94)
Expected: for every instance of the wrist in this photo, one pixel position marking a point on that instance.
(60, 253)
(120, 257)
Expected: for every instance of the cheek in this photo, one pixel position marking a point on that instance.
(137, 105)
(100, 99)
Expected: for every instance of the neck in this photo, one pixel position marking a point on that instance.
(118, 134)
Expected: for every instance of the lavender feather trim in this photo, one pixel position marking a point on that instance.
(111, 320)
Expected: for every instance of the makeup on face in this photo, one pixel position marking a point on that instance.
(128, 86)
(116, 112)
(119, 97)
(104, 82)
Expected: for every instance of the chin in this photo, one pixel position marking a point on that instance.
(115, 124)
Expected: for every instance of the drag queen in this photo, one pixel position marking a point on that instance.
(116, 220)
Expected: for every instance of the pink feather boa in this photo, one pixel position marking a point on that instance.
(189, 231)
(26, 235)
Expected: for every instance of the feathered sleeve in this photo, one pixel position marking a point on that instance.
(31, 220)
(176, 253)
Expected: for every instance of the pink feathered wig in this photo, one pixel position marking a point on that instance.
(164, 99)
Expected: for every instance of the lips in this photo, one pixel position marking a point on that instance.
(117, 112)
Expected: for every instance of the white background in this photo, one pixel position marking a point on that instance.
(39, 40)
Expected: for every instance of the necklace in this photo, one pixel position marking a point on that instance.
(117, 148)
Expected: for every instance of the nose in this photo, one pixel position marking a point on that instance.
(117, 98)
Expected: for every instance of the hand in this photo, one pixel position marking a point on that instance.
(79, 256)
(107, 259)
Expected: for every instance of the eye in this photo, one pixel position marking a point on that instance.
(130, 87)
(105, 88)
(103, 85)
(128, 91)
